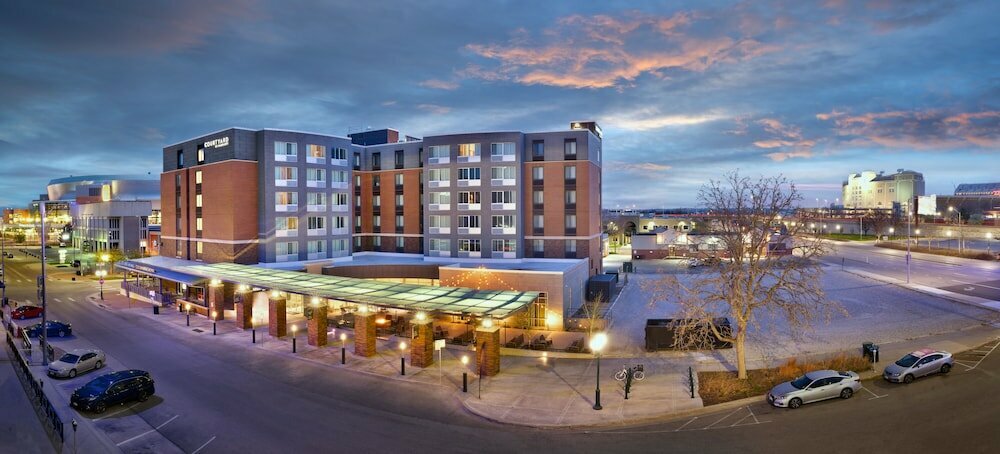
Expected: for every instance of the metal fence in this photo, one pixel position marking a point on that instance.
(146, 292)
(46, 412)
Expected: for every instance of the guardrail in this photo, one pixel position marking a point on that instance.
(43, 407)
(146, 292)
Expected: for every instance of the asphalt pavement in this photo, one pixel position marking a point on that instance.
(215, 398)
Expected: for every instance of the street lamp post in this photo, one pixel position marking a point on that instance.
(465, 374)
(187, 308)
(402, 358)
(961, 231)
(989, 239)
(3, 263)
(294, 328)
(214, 314)
(597, 343)
(100, 274)
(343, 348)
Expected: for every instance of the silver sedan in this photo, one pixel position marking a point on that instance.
(77, 362)
(813, 387)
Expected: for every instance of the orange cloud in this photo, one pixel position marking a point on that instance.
(788, 137)
(602, 51)
(919, 129)
(779, 156)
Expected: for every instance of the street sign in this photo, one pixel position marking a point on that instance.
(438, 344)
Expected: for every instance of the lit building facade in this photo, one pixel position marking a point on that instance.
(871, 190)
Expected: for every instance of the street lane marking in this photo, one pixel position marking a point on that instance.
(970, 283)
(57, 300)
(203, 446)
(723, 418)
(148, 431)
(685, 424)
(116, 412)
(71, 299)
(874, 396)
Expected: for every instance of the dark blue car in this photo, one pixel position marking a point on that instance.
(113, 389)
(54, 328)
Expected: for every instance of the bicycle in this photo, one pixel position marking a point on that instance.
(637, 373)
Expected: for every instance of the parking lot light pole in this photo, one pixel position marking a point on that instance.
(44, 335)
(597, 343)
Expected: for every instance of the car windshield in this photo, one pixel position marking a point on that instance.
(97, 385)
(801, 382)
(69, 358)
(907, 361)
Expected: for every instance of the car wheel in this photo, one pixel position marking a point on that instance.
(908, 379)
(98, 365)
(62, 334)
(72, 373)
(795, 403)
(846, 393)
(143, 396)
(946, 368)
(99, 408)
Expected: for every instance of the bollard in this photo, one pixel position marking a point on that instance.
(253, 335)
(213, 328)
(465, 382)
(402, 366)
(188, 319)
(293, 345)
(691, 380)
(343, 355)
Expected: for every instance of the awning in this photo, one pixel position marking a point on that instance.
(154, 271)
(429, 298)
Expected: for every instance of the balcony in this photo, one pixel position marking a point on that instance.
(434, 253)
(316, 183)
(315, 159)
(316, 255)
(316, 232)
(470, 206)
(466, 183)
(503, 206)
(439, 206)
(504, 230)
(340, 231)
(505, 255)
(443, 160)
(315, 208)
(439, 183)
(338, 162)
(503, 182)
(470, 254)
(475, 158)
(286, 183)
(339, 184)
(339, 208)
(286, 257)
(470, 230)
(286, 208)
(286, 233)
(286, 158)
(439, 230)
(503, 158)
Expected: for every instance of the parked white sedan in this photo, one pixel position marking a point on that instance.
(77, 362)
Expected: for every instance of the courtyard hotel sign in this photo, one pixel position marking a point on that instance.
(217, 143)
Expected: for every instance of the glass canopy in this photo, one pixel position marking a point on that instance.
(447, 300)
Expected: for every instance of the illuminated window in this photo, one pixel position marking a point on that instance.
(197, 177)
(317, 151)
(197, 201)
(468, 149)
(198, 224)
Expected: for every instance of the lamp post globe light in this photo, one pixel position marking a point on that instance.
(597, 343)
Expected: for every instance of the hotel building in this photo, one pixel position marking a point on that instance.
(870, 190)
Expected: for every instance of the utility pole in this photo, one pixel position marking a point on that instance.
(3, 262)
(908, 213)
(44, 344)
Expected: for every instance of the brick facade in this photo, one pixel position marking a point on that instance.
(422, 350)
(277, 322)
(488, 350)
(364, 334)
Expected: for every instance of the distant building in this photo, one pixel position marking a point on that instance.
(981, 189)
(871, 190)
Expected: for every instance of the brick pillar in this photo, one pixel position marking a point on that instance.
(364, 334)
(277, 325)
(317, 326)
(488, 350)
(244, 310)
(422, 349)
(216, 301)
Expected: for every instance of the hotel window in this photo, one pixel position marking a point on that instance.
(289, 149)
(339, 222)
(468, 150)
(180, 159)
(315, 247)
(505, 221)
(538, 246)
(197, 177)
(377, 241)
(571, 246)
(570, 173)
(569, 148)
(399, 159)
(199, 249)
(471, 222)
(287, 198)
(376, 181)
(287, 248)
(503, 172)
(439, 175)
(201, 156)
(503, 197)
(338, 153)
(537, 173)
(340, 198)
(317, 151)
(357, 181)
(570, 222)
(470, 197)
(399, 221)
(538, 221)
(504, 246)
(286, 223)
(376, 161)
(399, 200)
(440, 197)
(538, 198)
(468, 173)
(398, 179)
(357, 221)
(316, 175)
(197, 200)
(499, 150)
(198, 224)
(316, 222)
(469, 246)
(538, 150)
(313, 198)
(357, 201)
(440, 221)
(400, 242)
(376, 221)
(338, 176)
(376, 200)
(440, 151)
(286, 173)
(339, 245)
(571, 197)
(440, 244)
(357, 242)
(357, 160)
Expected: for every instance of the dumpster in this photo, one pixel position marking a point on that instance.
(661, 333)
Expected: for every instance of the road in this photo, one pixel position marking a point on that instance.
(970, 277)
(218, 399)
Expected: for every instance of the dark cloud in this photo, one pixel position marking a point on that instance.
(683, 94)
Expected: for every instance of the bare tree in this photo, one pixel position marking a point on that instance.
(771, 272)
(880, 221)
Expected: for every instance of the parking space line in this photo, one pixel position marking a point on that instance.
(685, 424)
(116, 412)
(148, 431)
(995, 345)
(874, 396)
(71, 299)
(723, 419)
(203, 446)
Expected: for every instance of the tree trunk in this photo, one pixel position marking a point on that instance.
(741, 353)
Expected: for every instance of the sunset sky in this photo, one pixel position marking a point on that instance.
(683, 90)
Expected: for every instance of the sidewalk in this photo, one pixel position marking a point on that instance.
(20, 429)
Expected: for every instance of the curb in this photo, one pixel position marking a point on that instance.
(944, 294)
